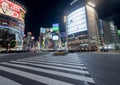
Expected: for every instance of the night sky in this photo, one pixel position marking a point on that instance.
(43, 13)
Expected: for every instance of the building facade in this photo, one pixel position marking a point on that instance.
(109, 35)
(12, 16)
(82, 27)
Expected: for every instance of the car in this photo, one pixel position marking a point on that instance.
(60, 52)
(104, 50)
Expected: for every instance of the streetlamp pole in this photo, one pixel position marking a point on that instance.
(65, 18)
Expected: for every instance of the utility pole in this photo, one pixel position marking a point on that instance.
(66, 44)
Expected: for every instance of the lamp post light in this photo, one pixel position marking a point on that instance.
(32, 37)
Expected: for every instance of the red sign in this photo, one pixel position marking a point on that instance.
(11, 9)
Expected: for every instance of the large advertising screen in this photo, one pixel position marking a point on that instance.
(76, 21)
(55, 37)
(11, 9)
(42, 30)
(55, 27)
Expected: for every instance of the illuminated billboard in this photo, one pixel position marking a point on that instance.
(55, 27)
(42, 30)
(76, 21)
(55, 37)
(11, 9)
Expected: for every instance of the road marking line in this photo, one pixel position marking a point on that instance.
(6, 81)
(55, 67)
(55, 59)
(77, 77)
(34, 77)
(50, 63)
(55, 62)
(58, 60)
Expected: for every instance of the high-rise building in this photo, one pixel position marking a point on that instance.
(109, 35)
(82, 26)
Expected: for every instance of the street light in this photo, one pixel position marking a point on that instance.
(32, 37)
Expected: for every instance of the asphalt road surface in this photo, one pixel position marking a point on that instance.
(71, 69)
(103, 67)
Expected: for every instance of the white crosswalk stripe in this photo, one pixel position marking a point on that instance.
(55, 60)
(52, 63)
(34, 77)
(53, 72)
(55, 67)
(9, 82)
(1, 55)
(49, 70)
(61, 59)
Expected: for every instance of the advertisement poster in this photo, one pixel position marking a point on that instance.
(76, 21)
(11, 9)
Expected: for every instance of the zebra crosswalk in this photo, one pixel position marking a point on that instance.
(46, 70)
(1, 55)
